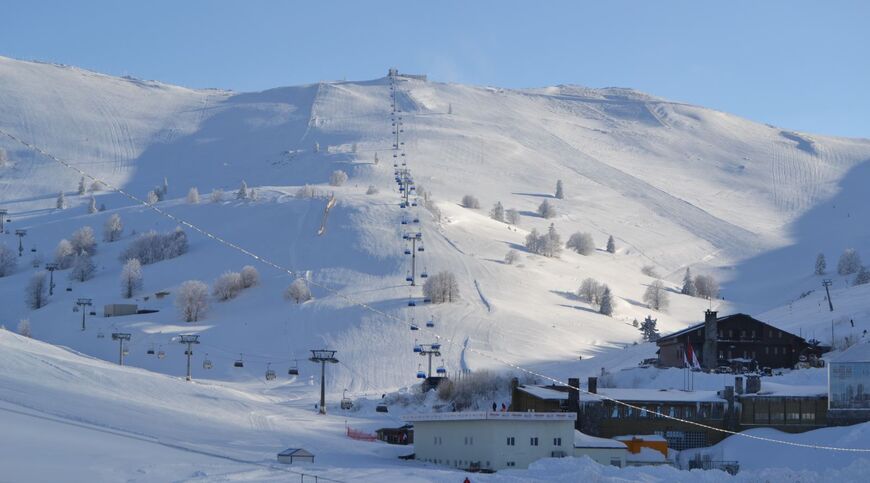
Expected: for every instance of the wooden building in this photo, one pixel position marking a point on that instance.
(403, 435)
(737, 341)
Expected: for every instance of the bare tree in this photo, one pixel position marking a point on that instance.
(8, 260)
(862, 278)
(83, 267)
(337, 178)
(83, 240)
(581, 243)
(471, 202)
(650, 271)
(656, 297)
(512, 216)
(441, 288)
(849, 263)
(591, 291)
(113, 228)
(497, 212)
(36, 292)
(192, 300)
(250, 276)
(153, 197)
(546, 209)
(64, 253)
(298, 291)
(131, 278)
(24, 328)
(217, 195)
(511, 257)
(706, 286)
(227, 286)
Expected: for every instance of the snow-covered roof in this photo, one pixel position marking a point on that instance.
(774, 389)
(295, 452)
(643, 437)
(857, 353)
(652, 395)
(583, 440)
(646, 455)
(491, 416)
(545, 393)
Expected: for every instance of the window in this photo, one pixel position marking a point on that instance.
(753, 333)
(730, 333)
(615, 413)
(438, 440)
(766, 350)
(510, 464)
(616, 462)
(742, 333)
(808, 417)
(533, 441)
(557, 441)
(469, 440)
(487, 464)
(721, 354)
(511, 441)
(689, 412)
(780, 334)
(643, 412)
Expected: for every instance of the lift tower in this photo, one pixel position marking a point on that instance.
(323, 356)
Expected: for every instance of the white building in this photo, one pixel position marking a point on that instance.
(602, 450)
(492, 440)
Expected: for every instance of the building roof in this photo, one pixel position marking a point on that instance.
(652, 395)
(700, 325)
(775, 389)
(642, 437)
(583, 440)
(295, 452)
(491, 416)
(646, 455)
(857, 353)
(545, 393)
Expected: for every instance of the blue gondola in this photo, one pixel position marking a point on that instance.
(424, 274)
(404, 221)
(416, 220)
(441, 371)
(430, 323)
(417, 347)
(420, 249)
(414, 327)
(436, 346)
(421, 375)
(409, 278)
(407, 251)
(427, 300)
(411, 303)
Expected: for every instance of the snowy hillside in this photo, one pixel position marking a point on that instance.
(676, 185)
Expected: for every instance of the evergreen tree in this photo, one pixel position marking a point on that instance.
(153, 197)
(92, 205)
(546, 209)
(606, 306)
(863, 277)
(821, 264)
(376, 159)
(689, 284)
(611, 245)
(560, 194)
(649, 330)
(242, 194)
(165, 189)
(497, 212)
(81, 190)
(61, 201)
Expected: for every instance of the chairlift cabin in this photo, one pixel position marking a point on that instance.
(404, 221)
(75, 308)
(436, 346)
(381, 408)
(125, 352)
(430, 323)
(240, 362)
(407, 251)
(346, 403)
(270, 373)
(427, 300)
(414, 327)
(150, 350)
(409, 278)
(417, 347)
(294, 369)
(413, 203)
(441, 371)
(160, 353)
(100, 334)
(33, 250)
(206, 363)
(411, 303)
(416, 220)
(420, 248)
(420, 373)
(424, 273)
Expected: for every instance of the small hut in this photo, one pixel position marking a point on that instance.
(295, 455)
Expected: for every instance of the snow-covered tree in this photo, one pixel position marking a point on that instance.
(83, 267)
(242, 194)
(227, 286)
(83, 240)
(131, 278)
(298, 291)
(64, 254)
(606, 305)
(153, 197)
(863, 277)
(307, 191)
(512, 216)
(581, 243)
(656, 297)
(4, 158)
(60, 204)
(252, 195)
(96, 186)
(113, 228)
(849, 263)
(8, 260)
(689, 284)
(546, 209)
(152, 247)
(24, 328)
(511, 257)
(706, 286)
(250, 276)
(217, 195)
(164, 190)
(611, 245)
(441, 288)
(560, 193)
(648, 329)
(82, 189)
(337, 178)
(497, 212)
(36, 292)
(552, 243)
(591, 291)
(533, 241)
(376, 159)
(373, 190)
(192, 300)
(469, 201)
(92, 205)
(193, 195)
(316, 147)
(821, 264)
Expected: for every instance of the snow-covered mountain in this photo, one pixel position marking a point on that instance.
(676, 185)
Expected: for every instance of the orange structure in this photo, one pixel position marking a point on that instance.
(652, 441)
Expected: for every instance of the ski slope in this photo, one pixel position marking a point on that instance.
(676, 185)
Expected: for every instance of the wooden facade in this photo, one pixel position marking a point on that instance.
(737, 340)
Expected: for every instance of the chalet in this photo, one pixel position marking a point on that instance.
(736, 340)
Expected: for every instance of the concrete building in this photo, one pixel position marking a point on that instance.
(603, 450)
(490, 441)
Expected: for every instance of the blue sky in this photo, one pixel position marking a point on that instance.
(796, 64)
